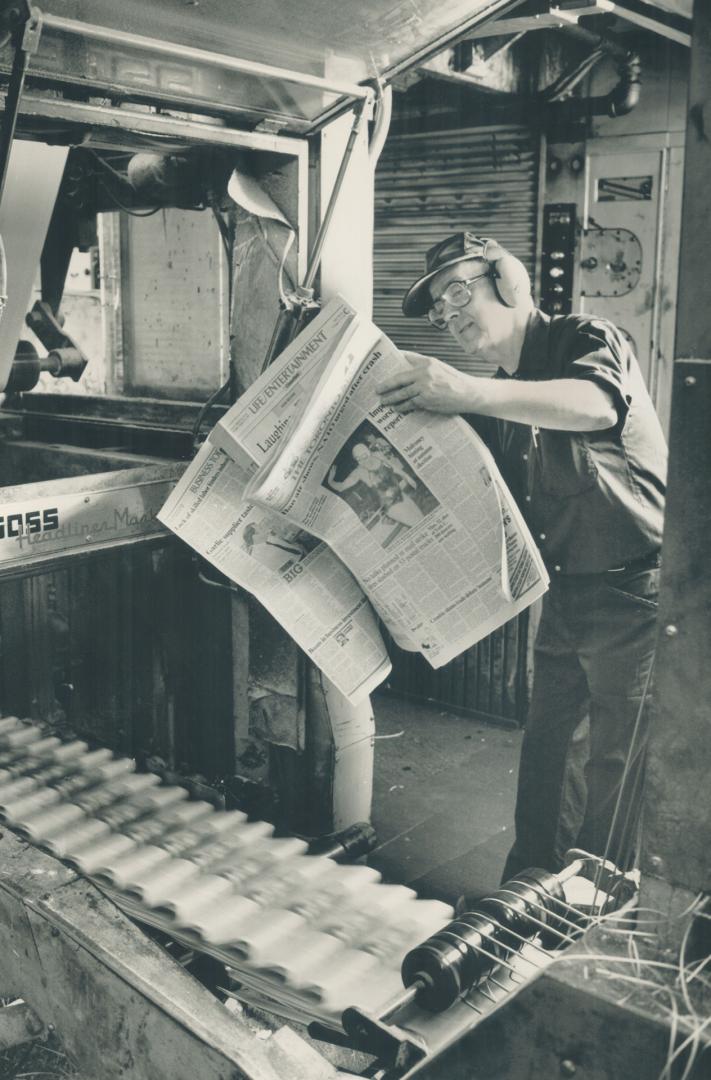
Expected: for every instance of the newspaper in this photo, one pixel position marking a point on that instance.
(413, 504)
(293, 574)
(321, 501)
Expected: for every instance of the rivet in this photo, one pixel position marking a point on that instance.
(656, 862)
(690, 380)
(568, 1067)
(671, 630)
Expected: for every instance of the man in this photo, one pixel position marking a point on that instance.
(574, 431)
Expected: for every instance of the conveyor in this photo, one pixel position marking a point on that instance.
(367, 964)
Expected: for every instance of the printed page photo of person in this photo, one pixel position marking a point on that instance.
(277, 544)
(373, 478)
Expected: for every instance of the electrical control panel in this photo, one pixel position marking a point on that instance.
(557, 258)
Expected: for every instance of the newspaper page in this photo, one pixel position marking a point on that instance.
(412, 503)
(297, 578)
(257, 423)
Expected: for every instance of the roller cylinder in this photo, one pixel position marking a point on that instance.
(452, 961)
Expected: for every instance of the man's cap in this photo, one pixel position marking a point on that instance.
(453, 249)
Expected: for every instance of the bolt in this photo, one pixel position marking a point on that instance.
(690, 380)
(656, 862)
(671, 630)
(568, 1067)
(54, 931)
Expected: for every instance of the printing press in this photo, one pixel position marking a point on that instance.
(365, 964)
(135, 909)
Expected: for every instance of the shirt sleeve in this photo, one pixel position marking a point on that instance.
(599, 354)
(487, 428)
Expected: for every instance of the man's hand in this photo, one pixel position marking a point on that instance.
(427, 384)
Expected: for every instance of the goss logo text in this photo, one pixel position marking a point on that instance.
(33, 521)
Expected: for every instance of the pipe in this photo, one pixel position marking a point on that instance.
(621, 100)
(359, 112)
(3, 278)
(625, 95)
(290, 319)
(381, 127)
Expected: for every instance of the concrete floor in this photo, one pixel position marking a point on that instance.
(444, 791)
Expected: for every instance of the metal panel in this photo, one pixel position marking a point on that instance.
(430, 184)
(132, 649)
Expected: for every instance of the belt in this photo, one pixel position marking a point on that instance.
(651, 561)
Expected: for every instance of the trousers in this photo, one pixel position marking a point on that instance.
(593, 658)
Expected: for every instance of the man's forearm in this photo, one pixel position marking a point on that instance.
(557, 404)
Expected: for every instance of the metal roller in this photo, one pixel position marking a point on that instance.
(454, 960)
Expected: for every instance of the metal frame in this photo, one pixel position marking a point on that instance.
(80, 963)
(202, 56)
(163, 125)
(647, 23)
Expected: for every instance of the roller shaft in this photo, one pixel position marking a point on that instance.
(451, 962)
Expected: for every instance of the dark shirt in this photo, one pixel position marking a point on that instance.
(593, 500)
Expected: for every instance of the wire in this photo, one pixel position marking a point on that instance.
(224, 231)
(625, 774)
(570, 79)
(127, 209)
(202, 576)
(212, 400)
(282, 264)
(105, 164)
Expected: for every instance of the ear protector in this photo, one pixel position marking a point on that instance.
(509, 276)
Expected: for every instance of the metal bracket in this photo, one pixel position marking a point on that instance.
(393, 1046)
(65, 356)
(270, 125)
(32, 32)
(607, 877)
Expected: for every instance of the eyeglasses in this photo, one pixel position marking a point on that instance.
(457, 294)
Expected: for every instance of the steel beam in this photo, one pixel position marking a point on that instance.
(678, 794)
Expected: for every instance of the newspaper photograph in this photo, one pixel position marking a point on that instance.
(297, 577)
(413, 504)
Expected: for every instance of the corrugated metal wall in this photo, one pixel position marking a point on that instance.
(433, 183)
(430, 184)
(488, 681)
(131, 649)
